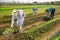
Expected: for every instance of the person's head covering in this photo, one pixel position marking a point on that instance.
(14, 10)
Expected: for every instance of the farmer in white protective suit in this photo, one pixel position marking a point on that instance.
(19, 15)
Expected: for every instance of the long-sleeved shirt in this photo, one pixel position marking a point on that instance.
(50, 9)
(19, 16)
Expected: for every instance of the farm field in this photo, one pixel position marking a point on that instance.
(56, 36)
(51, 33)
(35, 27)
(7, 9)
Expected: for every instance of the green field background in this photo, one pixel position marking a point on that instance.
(7, 9)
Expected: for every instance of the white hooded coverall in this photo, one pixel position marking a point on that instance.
(20, 18)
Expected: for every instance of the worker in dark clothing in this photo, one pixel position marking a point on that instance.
(50, 12)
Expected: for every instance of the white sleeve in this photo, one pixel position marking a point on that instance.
(23, 15)
(12, 22)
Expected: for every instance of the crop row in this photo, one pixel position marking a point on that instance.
(32, 33)
(37, 31)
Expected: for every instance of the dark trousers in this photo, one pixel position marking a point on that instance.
(52, 14)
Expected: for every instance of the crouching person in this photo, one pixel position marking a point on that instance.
(19, 15)
(50, 12)
(34, 11)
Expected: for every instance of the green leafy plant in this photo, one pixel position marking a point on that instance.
(8, 32)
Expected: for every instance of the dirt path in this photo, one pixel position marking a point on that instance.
(50, 33)
(33, 25)
(3, 25)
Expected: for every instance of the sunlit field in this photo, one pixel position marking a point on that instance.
(35, 27)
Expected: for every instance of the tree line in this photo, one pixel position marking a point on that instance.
(33, 3)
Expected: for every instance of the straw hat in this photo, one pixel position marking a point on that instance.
(14, 11)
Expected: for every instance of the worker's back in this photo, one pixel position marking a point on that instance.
(50, 9)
